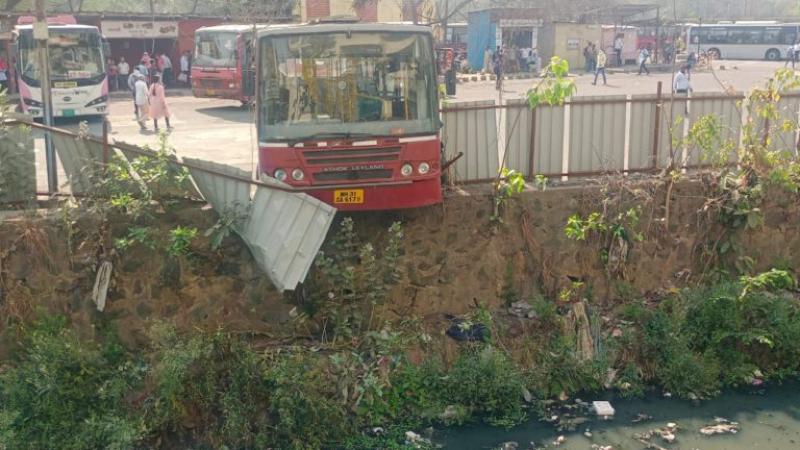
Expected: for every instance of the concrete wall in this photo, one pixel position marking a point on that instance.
(370, 11)
(554, 38)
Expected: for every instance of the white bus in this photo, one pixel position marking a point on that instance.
(77, 70)
(743, 40)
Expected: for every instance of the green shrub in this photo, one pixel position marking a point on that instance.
(486, 382)
(213, 381)
(67, 393)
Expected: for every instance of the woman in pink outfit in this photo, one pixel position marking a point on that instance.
(158, 103)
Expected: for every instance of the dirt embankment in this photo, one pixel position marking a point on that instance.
(454, 256)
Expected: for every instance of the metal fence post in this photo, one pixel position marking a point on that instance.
(532, 147)
(657, 126)
(106, 149)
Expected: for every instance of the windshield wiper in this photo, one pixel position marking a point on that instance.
(331, 135)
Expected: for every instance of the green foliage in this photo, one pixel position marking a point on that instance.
(136, 235)
(558, 368)
(67, 393)
(540, 181)
(510, 183)
(579, 229)
(485, 381)
(351, 280)
(707, 135)
(555, 86)
(771, 281)
(230, 220)
(180, 240)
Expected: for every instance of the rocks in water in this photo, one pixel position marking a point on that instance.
(416, 441)
(588, 433)
(668, 434)
(522, 309)
(720, 426)
(510, 445)
(642, 417)
(603, 409)
(559, 440)
(602, 447)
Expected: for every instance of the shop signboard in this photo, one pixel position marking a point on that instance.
(126, 29)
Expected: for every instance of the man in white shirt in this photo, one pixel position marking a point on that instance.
(185, 68)
(618, 44)
(123, 68)
(142, 100)
(682, 85)
(166, 63)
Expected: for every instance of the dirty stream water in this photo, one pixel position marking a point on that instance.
(769, 420)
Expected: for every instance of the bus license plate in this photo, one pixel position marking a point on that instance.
(68, 113)
(348, 197)
(211, 92)
(65, 84)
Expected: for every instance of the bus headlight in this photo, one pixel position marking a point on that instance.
(298, 175)
(231, 85)
(406, 170)
(424, 168)
(97, 101)
(279, 174)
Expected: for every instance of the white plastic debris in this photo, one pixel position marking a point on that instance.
(603, 409)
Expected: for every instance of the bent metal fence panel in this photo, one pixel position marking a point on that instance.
(81, 159)
(17, 165)
(471, 128)
(285, 231)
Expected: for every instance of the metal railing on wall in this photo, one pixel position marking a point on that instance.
(591, 136)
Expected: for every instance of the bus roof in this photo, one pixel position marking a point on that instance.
(60, 27)
(309, 28)
(232, 28)
(745, 24)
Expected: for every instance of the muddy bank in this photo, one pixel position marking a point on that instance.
(454, 256)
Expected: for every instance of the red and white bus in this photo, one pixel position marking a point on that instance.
(349, 113)
(223, 64)
(77, 53)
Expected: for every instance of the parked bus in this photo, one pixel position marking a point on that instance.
(743, 40)
(349, 111)
(223, 64)
(77, 68)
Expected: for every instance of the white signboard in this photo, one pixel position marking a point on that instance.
(139, 29)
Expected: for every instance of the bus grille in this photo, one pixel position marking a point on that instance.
(351, 155)
(354, 175)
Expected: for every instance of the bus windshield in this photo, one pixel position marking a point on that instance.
(365, 83)
(215, 49)
(74, 54)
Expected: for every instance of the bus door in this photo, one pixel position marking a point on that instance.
(248, 68)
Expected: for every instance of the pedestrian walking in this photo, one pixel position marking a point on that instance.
(166, 74)
(111, 73)
(588, 57)
(185, 75)
(498, 69)
(488, 60)
(3, 74)
(796, 55)
(618, 45)
(142, 101)
(691, 61)
(644, 55)
(158, 103)
(682, 85)
(132, 78)
(601, 66)
(790, 59)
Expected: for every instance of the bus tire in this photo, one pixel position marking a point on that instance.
(714, 54)
(773, 54)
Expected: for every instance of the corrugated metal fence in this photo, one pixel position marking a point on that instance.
(594, 135)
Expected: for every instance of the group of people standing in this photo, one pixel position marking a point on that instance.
(160, 65)
(149, 97)
(505, 60)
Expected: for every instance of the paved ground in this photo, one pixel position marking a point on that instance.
(741, 75)
(222, 130)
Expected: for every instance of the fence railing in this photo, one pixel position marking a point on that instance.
(590, 136)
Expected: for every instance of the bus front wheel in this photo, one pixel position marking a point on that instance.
(714, 54)
(773, 54)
